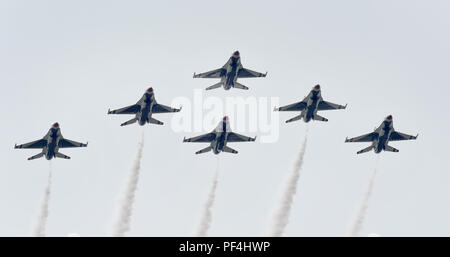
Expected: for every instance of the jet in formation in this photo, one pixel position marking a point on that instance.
(229, 73)
(381, 137)
(50, 144)
(219, 138)
(144, 109)
(309, 106)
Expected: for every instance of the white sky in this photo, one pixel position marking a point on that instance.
(69, 61)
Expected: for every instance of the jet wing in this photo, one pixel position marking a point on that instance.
(66, 143)
(41, 143)
(397, 136)
(300, 106)
(324, 105)
(132, 109)
(159, 108)
(246, 73)
(235, 137)
(211, 74)
(364, 138)
(206, 138)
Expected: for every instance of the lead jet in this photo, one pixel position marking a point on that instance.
(50, 144)
(309, 106)
(219, 138)
(229, 73)
(144, 109)
(381, 137)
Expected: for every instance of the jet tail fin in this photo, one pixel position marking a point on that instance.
(229, 150)
(390, 149)
(318, 117)
(155, 121)
(129, 122)
(204, 150)
(365, 150)
(217, 85)
(240, 86)
(295, 118)
(62, 156)
(39, 155)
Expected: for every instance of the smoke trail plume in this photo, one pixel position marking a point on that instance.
(280, 217)
(121, 223)
(206, 218)
(41, 220)
(356, 225)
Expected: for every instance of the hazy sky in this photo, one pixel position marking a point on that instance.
(69, 61)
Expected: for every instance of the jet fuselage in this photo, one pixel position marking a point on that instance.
(384, 131)
(221, 137)
(144, 115)
(233, 65)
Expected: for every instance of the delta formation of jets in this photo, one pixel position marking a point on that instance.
(222, 134)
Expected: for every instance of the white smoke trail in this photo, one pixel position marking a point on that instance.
(206, 218)
(280, 217)
(121, 222)
(356, 224)
(41, 220)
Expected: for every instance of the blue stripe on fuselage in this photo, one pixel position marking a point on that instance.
(146, 110)
(233, 73)
(383, 140)
(311, 108)
(51, 144)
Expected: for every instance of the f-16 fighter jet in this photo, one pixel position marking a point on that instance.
(309, 106)
(219, 138)
(229, 73)
(50, 144)
(144, 109)
(381, 137)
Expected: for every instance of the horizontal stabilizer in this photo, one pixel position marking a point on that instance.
(62, 156)
(217, 85)
(318, 117)
(365, 150)
(229, 150)
(129, 122)
(39, 155)
(204, 150)
(390, 149)
(155, 121)
(295, 118)
(240, 86)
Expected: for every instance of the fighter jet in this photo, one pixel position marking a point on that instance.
(50, 144)
(309, 106)
(219, 138)
(381, 137)
(229, 73)
(144, 109)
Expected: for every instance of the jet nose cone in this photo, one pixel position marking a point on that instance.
(150, 90)
(389, 117)
(236, 53)
(317, 87)
(56, 125)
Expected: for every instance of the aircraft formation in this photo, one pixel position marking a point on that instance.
(222, 134)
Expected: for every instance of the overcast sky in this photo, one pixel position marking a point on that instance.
(69, 61)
